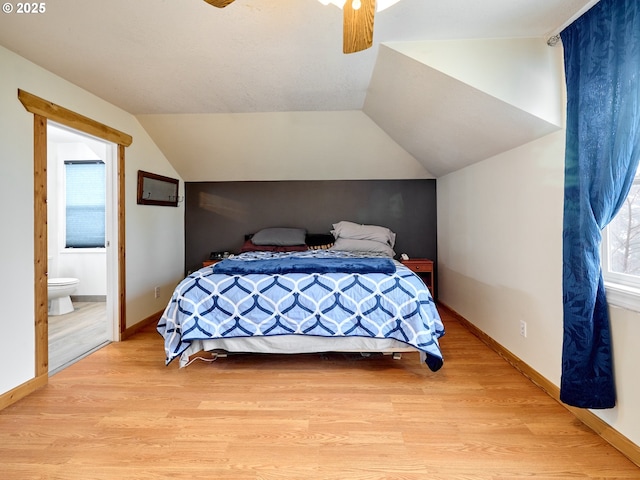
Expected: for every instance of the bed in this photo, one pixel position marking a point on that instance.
(348, 296)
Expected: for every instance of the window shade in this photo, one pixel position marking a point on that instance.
(85, 204)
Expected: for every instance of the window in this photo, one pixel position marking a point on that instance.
(85, 199)
(621, 252)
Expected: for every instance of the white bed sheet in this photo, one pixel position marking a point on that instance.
(292, 344)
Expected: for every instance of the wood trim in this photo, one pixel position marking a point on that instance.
(122, 270)
(40, 244)
(132, 330)
(21, 391)
(608, 433)
(39, 106)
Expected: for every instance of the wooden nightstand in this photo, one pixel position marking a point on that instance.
(424, 268)
(206, 263)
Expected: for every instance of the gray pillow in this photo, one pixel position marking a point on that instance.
(279, 236)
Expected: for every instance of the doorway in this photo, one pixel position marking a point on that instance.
(43, 111)
(80, 208)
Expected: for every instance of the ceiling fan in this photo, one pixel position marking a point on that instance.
(357, 30)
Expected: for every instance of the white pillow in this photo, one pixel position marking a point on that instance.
(356, 231)
(368, 246)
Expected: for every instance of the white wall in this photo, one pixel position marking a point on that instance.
(500, 261)
(280, 146)
(154, 235)
(502, 67)
(499, 249)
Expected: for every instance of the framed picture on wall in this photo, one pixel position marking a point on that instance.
(154, 189)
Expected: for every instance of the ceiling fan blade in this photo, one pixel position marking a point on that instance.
(358, 26)
(219, 3)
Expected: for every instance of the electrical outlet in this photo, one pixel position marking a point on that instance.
(156, 292)
(523, 328)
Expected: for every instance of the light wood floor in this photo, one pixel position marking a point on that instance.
(121, 414)
(76, 334)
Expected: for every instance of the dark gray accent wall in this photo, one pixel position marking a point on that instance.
(219, 214)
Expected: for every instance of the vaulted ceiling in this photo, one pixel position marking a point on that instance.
(168, 57)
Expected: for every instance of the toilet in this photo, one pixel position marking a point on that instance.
(59, 290)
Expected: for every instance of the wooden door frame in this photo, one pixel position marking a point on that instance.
(43, 111)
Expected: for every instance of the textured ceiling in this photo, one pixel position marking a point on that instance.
(185, 56)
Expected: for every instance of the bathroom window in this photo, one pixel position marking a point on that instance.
(85, 198)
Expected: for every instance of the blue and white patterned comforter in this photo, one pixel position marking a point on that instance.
(397, 305)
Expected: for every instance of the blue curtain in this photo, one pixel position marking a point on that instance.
(602, 66)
